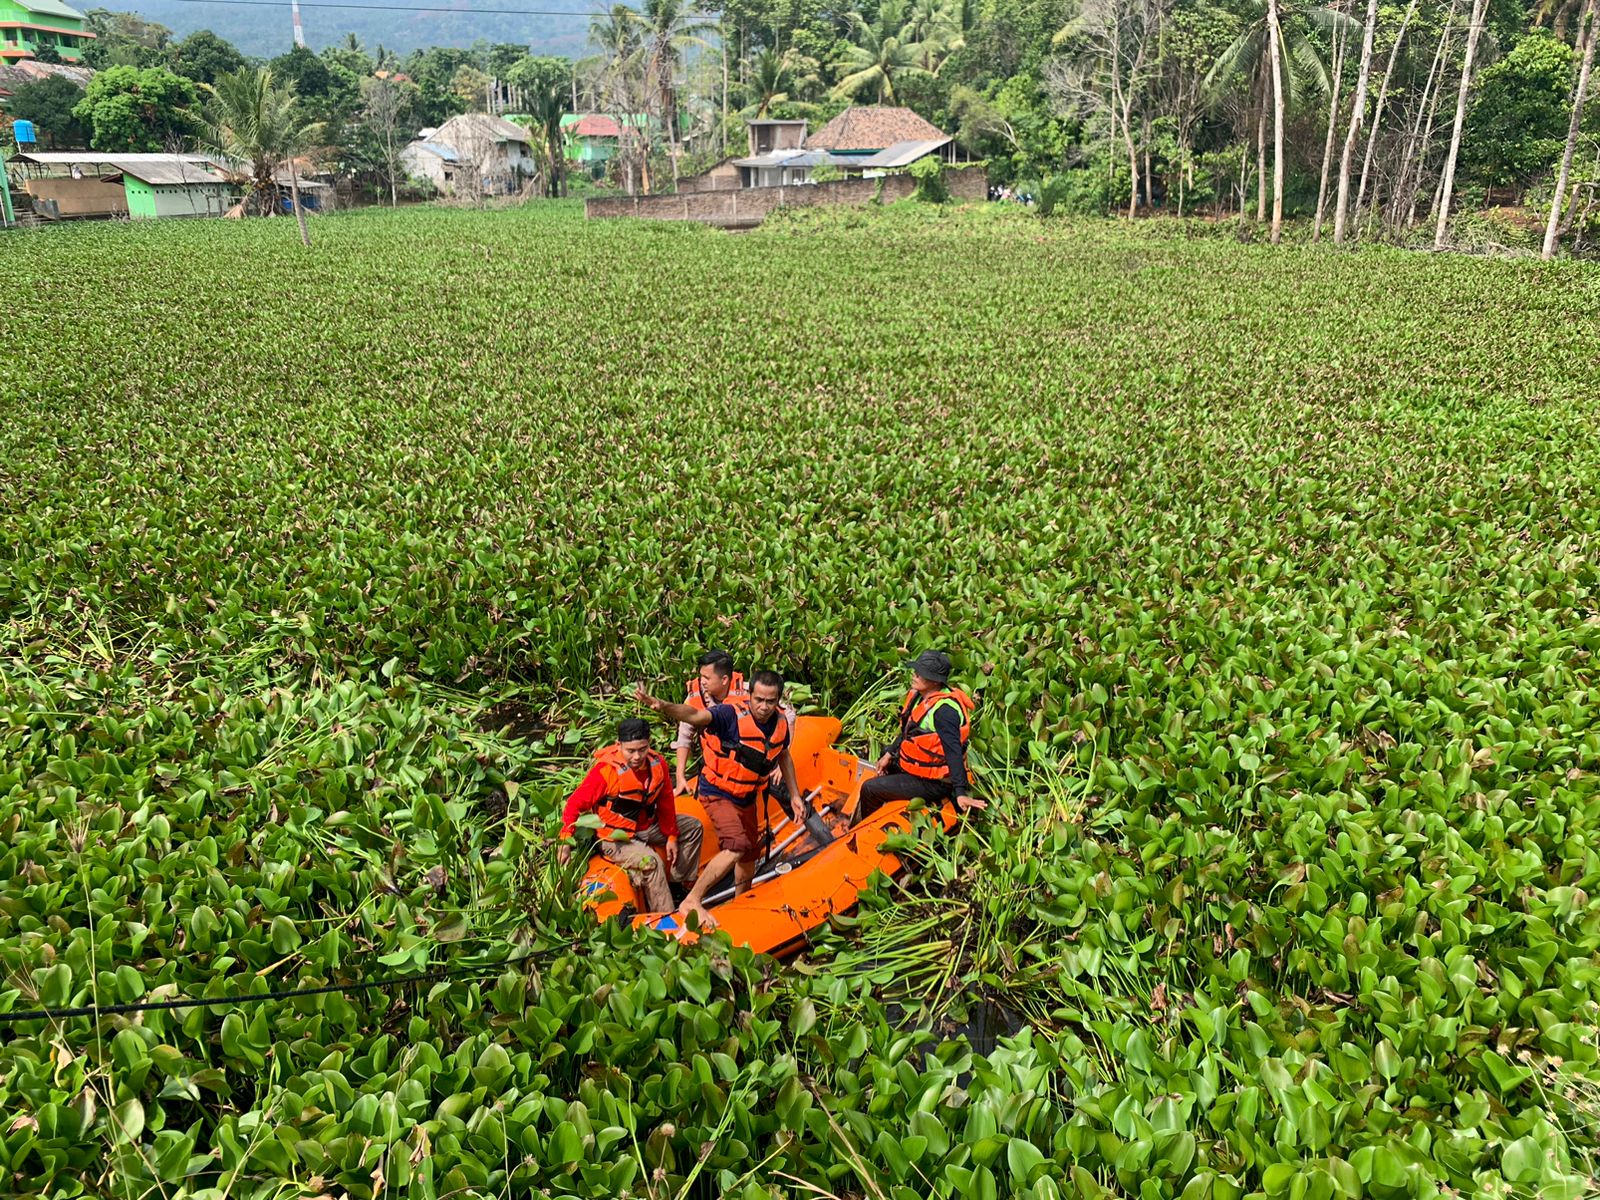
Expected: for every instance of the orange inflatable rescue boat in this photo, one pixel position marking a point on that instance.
(806, 873)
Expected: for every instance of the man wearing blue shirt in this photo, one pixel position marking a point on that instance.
(743, 744)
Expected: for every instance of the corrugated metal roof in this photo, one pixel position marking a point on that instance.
(448, 153)
(796, 158)
(51, 8)
(477, 125)
(157, 169)
(902, 154)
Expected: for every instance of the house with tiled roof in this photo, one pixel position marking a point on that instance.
(593, 139)
(869, 129)
(866, 141)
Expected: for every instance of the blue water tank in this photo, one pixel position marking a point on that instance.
(24, 132)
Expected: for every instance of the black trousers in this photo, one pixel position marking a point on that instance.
(895, 784)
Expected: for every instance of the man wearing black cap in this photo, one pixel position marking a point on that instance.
(928, 761)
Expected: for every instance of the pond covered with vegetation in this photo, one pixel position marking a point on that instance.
(1273, 570)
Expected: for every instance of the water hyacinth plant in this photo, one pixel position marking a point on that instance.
(1274, 573)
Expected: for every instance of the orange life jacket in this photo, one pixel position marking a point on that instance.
(921, 751)
(697, 698)
(629, 804)
(740, 771)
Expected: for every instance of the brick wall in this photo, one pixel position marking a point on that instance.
(749, 206)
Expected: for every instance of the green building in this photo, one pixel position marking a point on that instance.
(85, 184)
(27, 26)
(593, 138)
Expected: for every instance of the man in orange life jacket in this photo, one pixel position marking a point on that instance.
(743, 743)
(716, 683)
(630, 790)
(928, 761)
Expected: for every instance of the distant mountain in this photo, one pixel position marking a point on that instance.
(266, 32)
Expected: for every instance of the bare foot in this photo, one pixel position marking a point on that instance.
(707, 921)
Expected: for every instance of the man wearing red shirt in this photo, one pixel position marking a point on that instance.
(630, 789)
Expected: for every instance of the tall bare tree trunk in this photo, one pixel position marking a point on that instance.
(1426, 148)
(1327, 144)
(1341, 211)
(1261, 162)
(1589, 37)
(1377, 112)
(1447, 181)
(299, 213)
(1405, 190)
(1133, 171)
(1244, 174)
(1275, 56)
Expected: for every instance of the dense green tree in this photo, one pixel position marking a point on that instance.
(352, 59)
(202, 56)
(124, 39)
(139, 111)
(1518, 123)
(502, 56)
(432, 71)
(327, 93)
(48, 103)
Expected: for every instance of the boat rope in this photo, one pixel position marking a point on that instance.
(366, 985)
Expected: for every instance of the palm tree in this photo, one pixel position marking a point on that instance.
(547, 103)
(616, 32)
(880, 54)
(252, 120)
(1277, 59)
(668, 27)
(769, 80)
(935, 26)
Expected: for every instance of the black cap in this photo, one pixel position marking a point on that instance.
(633, 729)
(932, 666)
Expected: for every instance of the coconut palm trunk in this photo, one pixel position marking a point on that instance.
(1588, 35)
(1447, 181)
(1275, 57)
(1327, 145)
(1261, 162)
(294, 198)
(1341, 212)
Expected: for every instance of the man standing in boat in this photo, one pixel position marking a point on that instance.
(744, 744)
(928, 761)
(629, 789)
(715, 682)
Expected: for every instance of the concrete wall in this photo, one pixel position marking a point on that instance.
(749, 206)
(193, 200)
(80, 197)
(722, 177)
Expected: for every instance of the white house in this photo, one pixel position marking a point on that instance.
(474, 150)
